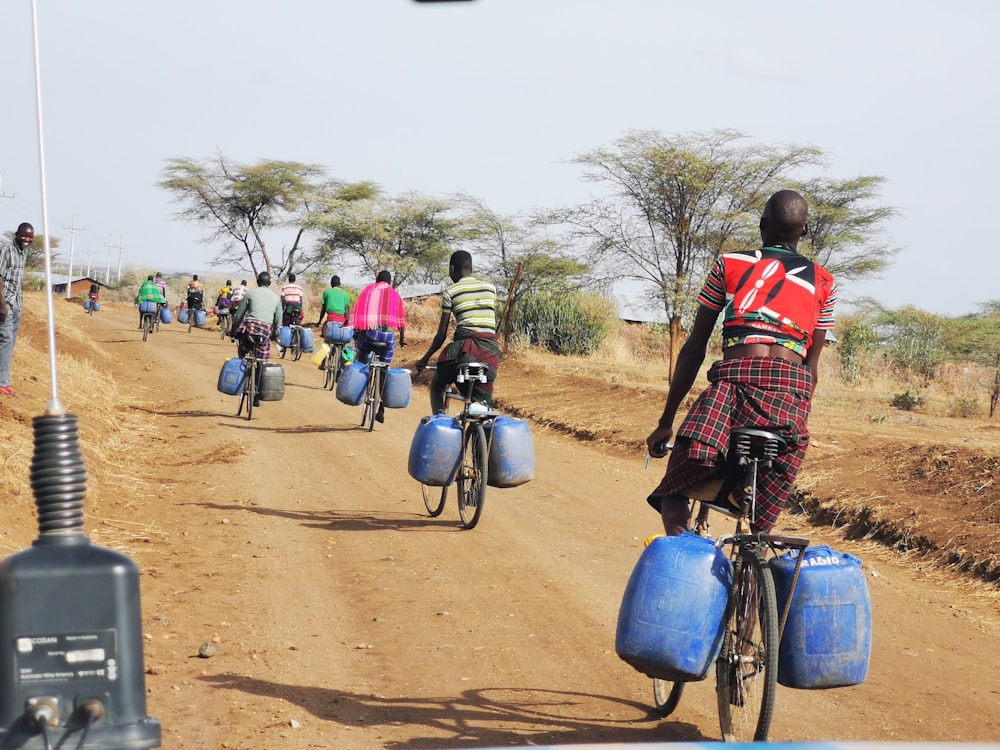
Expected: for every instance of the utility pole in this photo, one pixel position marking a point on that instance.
(107, 273)
(90, 256)
(73, 229)
(121, 246)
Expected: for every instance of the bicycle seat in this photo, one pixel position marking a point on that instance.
(746, 445)
(751, 444)
(378, 346)
(471, 371)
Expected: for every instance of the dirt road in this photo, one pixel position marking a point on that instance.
(342, 616)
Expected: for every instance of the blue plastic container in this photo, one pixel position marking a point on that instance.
(285, 336)
(308, 340)
(166, 316)
(672, 617)
(200, 318)
(512, 452)
(87, 304)
(436, 450)
(182, 315)
(232, 376)
(398, 386)
(147, 306)
(828, 637)
(335, 333)
(352, 382)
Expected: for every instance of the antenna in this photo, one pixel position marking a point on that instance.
(73, 229)
(70, 622)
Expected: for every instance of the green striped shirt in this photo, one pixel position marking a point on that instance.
(473, 303)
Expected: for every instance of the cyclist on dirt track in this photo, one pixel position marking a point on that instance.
(291, 302)
(195, 295)
(149, 292)
(257, 314)
(473, 302)
(777, 308)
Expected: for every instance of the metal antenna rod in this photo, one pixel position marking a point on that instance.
(54, 407)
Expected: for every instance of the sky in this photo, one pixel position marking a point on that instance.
(495, 98)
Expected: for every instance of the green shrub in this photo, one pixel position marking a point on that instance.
(574, 323)
(964, 407)
(857, 343)
(907, 401)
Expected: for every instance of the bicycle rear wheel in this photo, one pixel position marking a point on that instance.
(146, 326)
(747, 669)
(434, 501)
(472, 476)
(372, 399)
(251, 388)
(296, 345)
(666, 695)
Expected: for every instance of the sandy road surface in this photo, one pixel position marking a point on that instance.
(344, 617)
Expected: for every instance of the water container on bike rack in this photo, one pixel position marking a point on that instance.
(232, 376)
(272, 382)
(398, 385)
(200, 318)
(672, 617)
(321, 354)
(308, 340)
(182, 315)
(336, 333)
(351, 386)
(285, 337)
(347, 355)
(827, 639)
(435, 450)
(512, 452)
(166, 316)
(147, 307)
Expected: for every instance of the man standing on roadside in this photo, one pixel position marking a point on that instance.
(13, 255)
(473, 302)
(377, 311)
(777, 307)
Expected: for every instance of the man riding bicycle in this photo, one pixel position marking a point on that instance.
(195, 295)
(149, 292)
(778, 307)
(291, 302)
(377, 311)
(257, 316)
(473, 303)
(223, 301)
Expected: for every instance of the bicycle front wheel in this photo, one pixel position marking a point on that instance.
(666, 695)
(434, 501)
(472, 476)
(747, 669)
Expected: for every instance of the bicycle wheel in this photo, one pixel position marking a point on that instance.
(145, 327)
(251, 388)
(224, 327)
(472, 476)
(666, 695)
(747, 669)
(434, 501)
(297, 345)
(374, 399)
(328, 373)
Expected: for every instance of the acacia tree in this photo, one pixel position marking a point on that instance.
(411, 235)
(239, 203)
(677, 203)
(845, 227)
(500, 244)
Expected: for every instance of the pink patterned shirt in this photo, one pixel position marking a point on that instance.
(378, 305)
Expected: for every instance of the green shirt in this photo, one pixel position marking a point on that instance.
(336, 300)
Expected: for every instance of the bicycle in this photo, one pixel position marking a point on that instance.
(225, 323)
(295, 345)
(148, 324)
(747, 666)
(332, 365)
(378, 370)
(473, 470)
(192, 317)
(252, 367)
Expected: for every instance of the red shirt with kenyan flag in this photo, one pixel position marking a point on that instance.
(770, 296)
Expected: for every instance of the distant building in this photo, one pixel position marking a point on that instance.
(77, 287)
(639, 308)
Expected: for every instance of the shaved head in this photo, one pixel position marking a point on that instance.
(784, 218)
